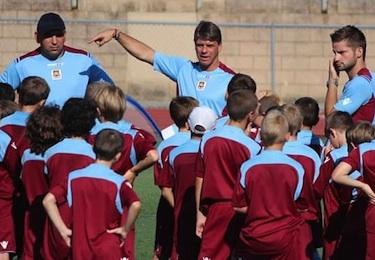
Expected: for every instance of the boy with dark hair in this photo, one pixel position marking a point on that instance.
(7, 232)
(349, 49)
(272, 230)
(96, 232)
(310, 161)
(179, 110)
(43, 129)
(334, 197)
(182, 161)
(237, 82)
(221, 154)
(361, 159)
(33, 92)
(72, 153)
(309, 109)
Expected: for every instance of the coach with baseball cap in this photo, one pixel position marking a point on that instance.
(50, 24)
(67, 70)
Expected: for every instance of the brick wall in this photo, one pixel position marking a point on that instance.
(301, 55)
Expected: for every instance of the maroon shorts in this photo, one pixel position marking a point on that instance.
(221, 231)
(7, 228)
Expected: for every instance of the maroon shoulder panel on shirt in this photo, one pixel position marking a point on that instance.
(226, 68)
(74, 50)
(29, 54)
(365, 72)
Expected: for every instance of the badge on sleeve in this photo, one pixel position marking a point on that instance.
(201, 85)
(56, 74)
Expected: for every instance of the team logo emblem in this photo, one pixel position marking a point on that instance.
(56, 74)
(201, 85)
(4, 244)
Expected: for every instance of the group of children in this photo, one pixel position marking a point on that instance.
(77, 164)
(265, 186)
(248, 185)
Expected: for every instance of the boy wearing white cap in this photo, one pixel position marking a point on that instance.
(182, 160)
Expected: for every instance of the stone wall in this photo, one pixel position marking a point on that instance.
(301, 54)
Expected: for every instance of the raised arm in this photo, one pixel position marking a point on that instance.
(136, 48)
(331, 94)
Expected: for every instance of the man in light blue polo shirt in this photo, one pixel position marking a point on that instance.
(67, 71)
(205, 80)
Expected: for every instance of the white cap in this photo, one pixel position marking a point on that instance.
(201, 119)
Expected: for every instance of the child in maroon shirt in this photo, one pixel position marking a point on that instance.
(271, 182)
(97, 197)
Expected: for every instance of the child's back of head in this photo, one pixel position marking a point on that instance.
(180, 109)
(360, 132)
(78, 117)
(309, 109)
(94, 88)
(32, 91)
(275, 128)
(108, 143)
(240, 103)
(44, 128)
(110, 100)
(338, 120)
(294, 118)
(241, 81)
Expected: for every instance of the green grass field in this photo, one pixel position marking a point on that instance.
(145, 228)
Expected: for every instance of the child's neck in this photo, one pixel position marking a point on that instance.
(104, 162)
(240, 124)
(274, 147)
(306, 128)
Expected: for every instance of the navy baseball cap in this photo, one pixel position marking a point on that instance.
(50, 24)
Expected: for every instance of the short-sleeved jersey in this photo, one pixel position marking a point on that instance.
(182, 161)
(358, 97)
(97, 196)
(15, 125)
(67, 76)
(135, 144)
(161, 168)
(266, 178)
(338, 193)
(222, 152)
(33, 176)
(208, 87)
(67, 155)
(62, 158)
(310, 162)
(7, 235)
(308, 138)
(36, 187)
(362, 160)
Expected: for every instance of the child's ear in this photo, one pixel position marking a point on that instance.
(333, 132)
(288, 136)
(187, 126)
(252, 115)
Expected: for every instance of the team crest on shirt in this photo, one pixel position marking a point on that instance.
(56, 74)
(201, 85)
(4, 244)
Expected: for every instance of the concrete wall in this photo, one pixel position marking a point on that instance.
(301, 55)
